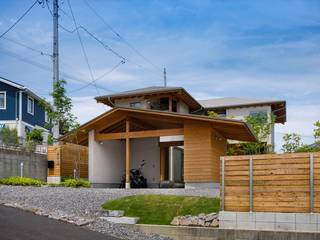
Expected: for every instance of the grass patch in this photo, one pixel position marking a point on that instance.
(161, 209)
(21, 181)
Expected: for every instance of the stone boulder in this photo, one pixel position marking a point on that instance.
(202, 220)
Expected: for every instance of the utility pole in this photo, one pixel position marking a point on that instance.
(55, 57)
(165, 77)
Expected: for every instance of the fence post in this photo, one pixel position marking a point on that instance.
(251, 183)
(311, 183)
(222, 184)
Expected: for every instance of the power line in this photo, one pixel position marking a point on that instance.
(28, 47)
(20, 18)
(122, 38)
(48, 69)
(107, 47)
(82, 46)
(103, 75)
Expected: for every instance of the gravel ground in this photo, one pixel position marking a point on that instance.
(83, 202)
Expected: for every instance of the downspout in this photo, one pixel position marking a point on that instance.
(20, 115)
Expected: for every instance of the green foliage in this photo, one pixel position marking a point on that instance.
(292, 142)
(261, 125)
(161, 209)
(212, 114)
(21, 181)
(60, 111)
(35, 135)
(9, 136)
(50, 139)
(76, 183)
(308, 148)
(316, 131)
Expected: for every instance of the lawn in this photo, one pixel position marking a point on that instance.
(161, 209)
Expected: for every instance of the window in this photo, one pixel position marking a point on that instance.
(255, 113)
(30, 105)
(160, 104)
(3, 100)
(46, 119)
(136, 105)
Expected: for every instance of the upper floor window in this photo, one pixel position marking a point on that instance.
(136, 105)
(160, 104)
(46, 118)
(30, 105)
(3, 100)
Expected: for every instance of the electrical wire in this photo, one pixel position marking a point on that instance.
(122, 38)
(48, 69)
(28, 47)
(103, 75)
(20, 18)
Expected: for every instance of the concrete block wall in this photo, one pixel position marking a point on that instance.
(298, 222)
(34, 165)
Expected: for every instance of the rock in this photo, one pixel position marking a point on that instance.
(214, 223)
(202, 220)
(122, 220)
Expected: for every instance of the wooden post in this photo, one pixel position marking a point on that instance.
(170, 104)
(127, 154)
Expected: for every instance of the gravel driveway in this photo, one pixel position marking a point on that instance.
(86, 203)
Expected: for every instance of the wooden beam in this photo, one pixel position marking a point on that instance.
(109, 136)
(139, 134)
(170, 103)
(173, 143)
(127, 155)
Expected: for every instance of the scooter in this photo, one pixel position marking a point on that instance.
(136, 178)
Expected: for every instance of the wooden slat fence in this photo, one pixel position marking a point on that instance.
(279, 183)
(67, 158)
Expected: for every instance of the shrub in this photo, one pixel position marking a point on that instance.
(21, 181)
(76, 183)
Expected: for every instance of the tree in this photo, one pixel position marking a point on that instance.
(212, 114)
(316, 132)
(9, 137)
(292, 142)
(60, 111)
(261, 125)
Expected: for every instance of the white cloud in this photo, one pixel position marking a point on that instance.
(86, 108)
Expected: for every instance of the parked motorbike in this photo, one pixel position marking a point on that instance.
(137, 180)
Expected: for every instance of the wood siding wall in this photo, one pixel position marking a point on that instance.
(281, 183)
(203, 147)
(66, 158)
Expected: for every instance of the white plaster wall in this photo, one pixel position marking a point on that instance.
(126, 102)
(182, 107)
(241, 113)
(147, 149)
(106, 161)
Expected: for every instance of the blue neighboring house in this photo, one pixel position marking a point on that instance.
(20, 109)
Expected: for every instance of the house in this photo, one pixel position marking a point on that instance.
(239, 108)
(160, 126)
(20, 109)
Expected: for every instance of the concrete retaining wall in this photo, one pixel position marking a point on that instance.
(34, 165)
(299, 222)
(201, 233)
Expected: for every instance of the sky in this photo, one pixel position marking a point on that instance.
(258, 49)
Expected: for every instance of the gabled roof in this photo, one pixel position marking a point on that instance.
(278, 106)
(20, 87)
(229, 128)
(148, 91)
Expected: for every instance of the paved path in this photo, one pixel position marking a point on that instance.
(19, 225)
